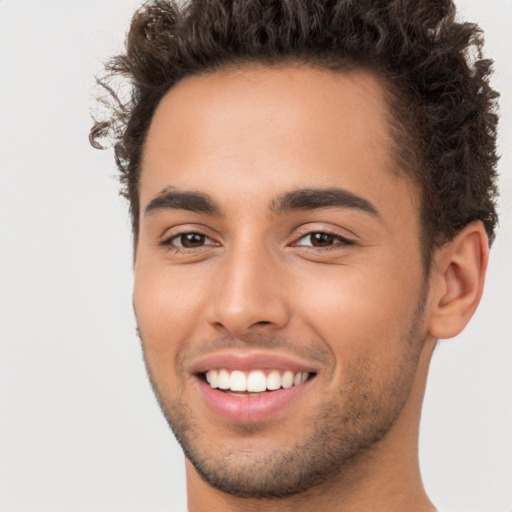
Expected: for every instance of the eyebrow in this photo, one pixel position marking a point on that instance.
(310, 199)
(172, 199)
(302, 199)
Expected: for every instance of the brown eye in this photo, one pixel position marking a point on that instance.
(319, 239)
(188, 241)
(322, 239)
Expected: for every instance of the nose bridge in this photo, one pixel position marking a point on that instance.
(249, 290)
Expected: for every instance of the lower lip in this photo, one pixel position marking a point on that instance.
(246, 408)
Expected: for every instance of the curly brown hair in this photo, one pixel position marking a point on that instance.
(444, 112)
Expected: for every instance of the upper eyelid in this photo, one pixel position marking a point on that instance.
(332, 228)
(180, 229)
(168, 239)
(303, 231)
(340, 238)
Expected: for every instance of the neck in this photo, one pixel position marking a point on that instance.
(386, 478)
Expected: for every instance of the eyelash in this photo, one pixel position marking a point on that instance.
(338, 241)
(168, 242)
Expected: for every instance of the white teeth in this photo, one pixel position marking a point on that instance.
(238, 381)
(255, 381)
(223, 381)
(287, 380)
(213, 378)
(273, 380)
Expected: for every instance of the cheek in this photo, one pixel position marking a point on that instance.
(167, 306)
(359, 312)
(365, 321)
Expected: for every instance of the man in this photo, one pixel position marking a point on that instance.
(312, 189)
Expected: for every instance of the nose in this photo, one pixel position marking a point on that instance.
(250, 295)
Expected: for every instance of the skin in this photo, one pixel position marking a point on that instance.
(359, 309)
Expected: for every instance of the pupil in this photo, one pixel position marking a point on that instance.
(192, 240)
(322, 239)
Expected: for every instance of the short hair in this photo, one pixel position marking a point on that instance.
(443, 110)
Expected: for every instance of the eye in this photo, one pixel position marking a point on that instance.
(322, 239)
(188, 240)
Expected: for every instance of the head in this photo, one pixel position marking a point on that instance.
(302, 177)
(442, 110)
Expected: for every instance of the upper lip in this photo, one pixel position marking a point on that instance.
(250, 360)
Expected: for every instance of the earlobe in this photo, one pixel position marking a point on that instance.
(457, 280)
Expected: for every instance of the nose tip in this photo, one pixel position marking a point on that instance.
(249, 299)
(247, 315)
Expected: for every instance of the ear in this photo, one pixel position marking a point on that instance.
(457, 280)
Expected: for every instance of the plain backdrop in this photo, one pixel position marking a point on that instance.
(80, 430)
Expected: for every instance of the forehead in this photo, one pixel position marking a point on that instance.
(271, 129)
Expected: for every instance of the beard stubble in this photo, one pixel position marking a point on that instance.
(343, 428)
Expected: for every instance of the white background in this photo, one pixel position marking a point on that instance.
(79, 428)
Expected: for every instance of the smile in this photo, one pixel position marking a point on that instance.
(251, 387)
(255, 381)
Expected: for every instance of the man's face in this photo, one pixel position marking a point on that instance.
(278, 246)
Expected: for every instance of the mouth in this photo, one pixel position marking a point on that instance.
(243, 387)
(253, 383)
